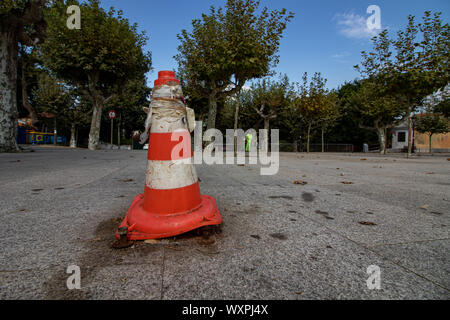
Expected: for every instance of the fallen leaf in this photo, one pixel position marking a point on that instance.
(127, 180)
(151, 241)
(300, 182)
(425, 207)
(299, 292)
(342, 174)
(429, 172)
(347, 182)
(174, 248)
(366, 223)
(363, 159)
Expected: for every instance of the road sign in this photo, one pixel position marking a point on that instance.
(112, 114)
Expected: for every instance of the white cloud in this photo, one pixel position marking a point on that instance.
(354, 26)
(341, 57)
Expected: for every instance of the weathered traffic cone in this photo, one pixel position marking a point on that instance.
(171, 203)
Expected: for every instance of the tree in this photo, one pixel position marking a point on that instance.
(421, 68)
(329, 113)
(416, 70)
(347, 128)
(431, 124)
(21, 22)
(268, 100)
(379, 108)
(99, 59)
(443, 107)
(227, 48)
(310, 101)
(377, 99)
(55, 98)
(128, 106)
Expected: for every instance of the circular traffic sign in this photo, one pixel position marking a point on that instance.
(111, 114)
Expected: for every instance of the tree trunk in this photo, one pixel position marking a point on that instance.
(118, 134)
(265, 143)
(382, 139)
(431, 135)
(26, 104)
(212, 112)
(295, 145)
(8, 89)
(307, 137)
(73, 140)
(323, 141)
(236, 117)
(94, 133)
(55, 131)
(409, 132)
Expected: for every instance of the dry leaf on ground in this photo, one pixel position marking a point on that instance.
(367, 223)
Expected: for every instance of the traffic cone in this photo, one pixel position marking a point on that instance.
(171, 203)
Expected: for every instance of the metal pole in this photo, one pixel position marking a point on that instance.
(112, 125)
(118, 131)
(54, 131)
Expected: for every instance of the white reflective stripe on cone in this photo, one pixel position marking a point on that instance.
(170, 174)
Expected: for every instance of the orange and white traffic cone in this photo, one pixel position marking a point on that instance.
(171, 203)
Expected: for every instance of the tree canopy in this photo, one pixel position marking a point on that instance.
(99, 59)
(228, 47)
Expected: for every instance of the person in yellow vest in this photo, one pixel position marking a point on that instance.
(248, 141)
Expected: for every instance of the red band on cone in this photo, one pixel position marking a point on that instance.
(164, 77)
(172, 200)
(162, 148)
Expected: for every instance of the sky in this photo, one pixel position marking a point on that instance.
(324, 36)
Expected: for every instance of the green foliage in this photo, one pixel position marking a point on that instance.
(416, 69)
(228, 47)
(104, 59)
(431, 124)
(310, 98)
(51, 95)
(105, 53)
(443, 107)
(7, 6)
(347, 128)
(269, 98)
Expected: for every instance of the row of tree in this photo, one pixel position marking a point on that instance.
(396, 78)
(75, 74)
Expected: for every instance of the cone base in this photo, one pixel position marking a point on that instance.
(143, 225)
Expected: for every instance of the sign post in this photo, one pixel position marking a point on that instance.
(112, 115)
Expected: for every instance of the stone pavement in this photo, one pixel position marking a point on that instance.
(278, 241)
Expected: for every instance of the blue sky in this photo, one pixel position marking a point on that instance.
(325, 36)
